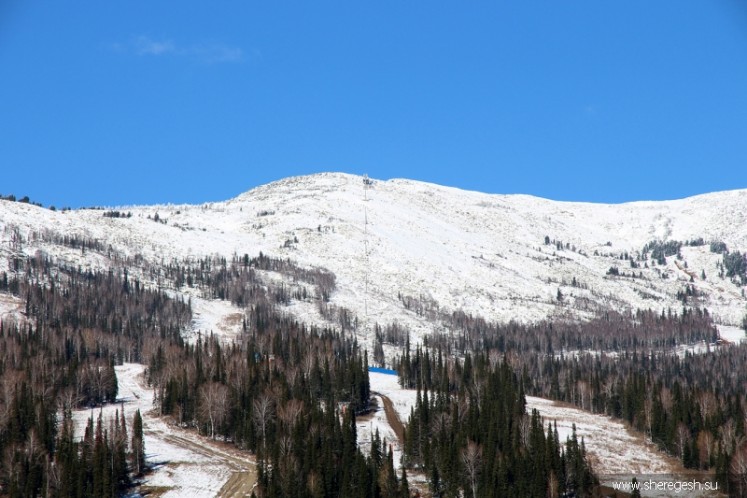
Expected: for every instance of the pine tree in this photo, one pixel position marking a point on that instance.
(137, 454)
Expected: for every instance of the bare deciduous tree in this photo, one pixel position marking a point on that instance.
(524, 426)
(682, 438)
(738, 470)
(262, 412)
(707, 404)
(213, 404)
(705, 448)
(472, 460)
(290, 412)
(728, 436)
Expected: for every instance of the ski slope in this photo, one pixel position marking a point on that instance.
(457, 250)
(183, 463)
(450, 249)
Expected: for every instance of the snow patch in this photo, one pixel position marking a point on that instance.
(613, 449)
(183, 463)
(403, 400)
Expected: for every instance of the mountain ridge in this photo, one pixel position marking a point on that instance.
(456, 250)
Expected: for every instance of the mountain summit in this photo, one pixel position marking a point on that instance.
(402, 249)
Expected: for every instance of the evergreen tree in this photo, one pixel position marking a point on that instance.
(137, 447)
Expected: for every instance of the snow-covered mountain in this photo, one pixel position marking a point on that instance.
(387, 241)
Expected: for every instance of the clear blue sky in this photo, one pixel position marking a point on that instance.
(122, 102)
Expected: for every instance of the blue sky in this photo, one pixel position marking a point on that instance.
(109, 103)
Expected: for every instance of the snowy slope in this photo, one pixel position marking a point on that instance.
(183, 463)
(484, 254)
(478, 252)
(614, 449)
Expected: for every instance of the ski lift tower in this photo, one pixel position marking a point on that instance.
(366, 185)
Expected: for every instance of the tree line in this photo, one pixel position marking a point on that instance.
(470, 433)
(79, 325)
(623, 365)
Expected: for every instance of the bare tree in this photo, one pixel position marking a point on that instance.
(290, 412)
(307, 364)
(552, 485)
(666, 399)
(705, 448)
(524, 425)
(213, 404)
(738, 470)
(584, 393)
(728, 436)
(682, 436)
(707, 404)
(648, 413)
(472, 460)
(441, 423)
(68, 400)
(262, 413)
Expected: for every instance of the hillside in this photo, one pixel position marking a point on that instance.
(355, 253)
(397, 242)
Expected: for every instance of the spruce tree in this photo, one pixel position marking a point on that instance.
(138, 445)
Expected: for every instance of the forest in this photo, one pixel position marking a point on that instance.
(692, 406)
(288, 393)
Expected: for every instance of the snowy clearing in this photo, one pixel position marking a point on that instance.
(217, 317)
(735, 335)
(184, 463)
(403, 400)
(369, 424)
(12, 308)
(613, 449)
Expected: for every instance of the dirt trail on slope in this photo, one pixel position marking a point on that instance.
(243, 470)
(206, 454)
(239, 485)
(394, 422)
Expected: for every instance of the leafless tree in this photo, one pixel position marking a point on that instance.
(292, 375)
(728, 436)
(262, 412)
(666, 399)
(584, 393)
(441, 422)
(705, 448)
(290, 412)
(524, 425)
(707, 403)
(213, 404)
(552, 485)
(472, 460)
(738, 470)
(682, 437)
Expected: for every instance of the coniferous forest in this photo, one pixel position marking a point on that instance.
(288, 394)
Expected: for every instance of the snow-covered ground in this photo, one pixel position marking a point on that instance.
(184, 463)
(482, 253)
(217, 317)
(728, 334)
(734, 335)
(11, 308)
(614, 450)
(403, 400)
(367, 427)
(458, 250)
(611, 446)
